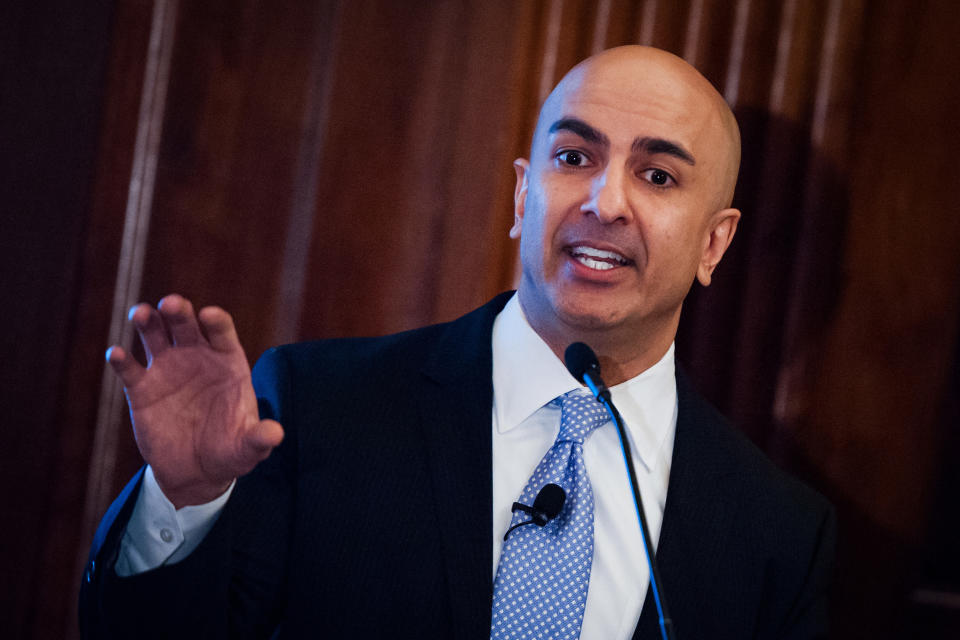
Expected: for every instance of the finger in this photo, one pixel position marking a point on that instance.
(150, 327)
(218, 327)
(177, 313)
(125, 366)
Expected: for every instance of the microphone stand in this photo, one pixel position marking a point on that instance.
(599, 389)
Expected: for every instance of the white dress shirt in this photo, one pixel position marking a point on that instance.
(527, 376)
(158, 533)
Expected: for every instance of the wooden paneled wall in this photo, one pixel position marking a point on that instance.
(343, 167)
(52, 68)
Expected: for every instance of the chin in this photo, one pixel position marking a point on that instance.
(588, 315)
(572, 310)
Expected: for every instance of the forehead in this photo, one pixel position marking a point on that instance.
(627, 101)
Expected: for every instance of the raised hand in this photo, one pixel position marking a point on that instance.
(193, 407)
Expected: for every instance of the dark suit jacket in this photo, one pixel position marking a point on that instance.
(373, 518)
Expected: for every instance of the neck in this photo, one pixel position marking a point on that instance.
(624, 352)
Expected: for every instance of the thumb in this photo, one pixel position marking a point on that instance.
(262, 438)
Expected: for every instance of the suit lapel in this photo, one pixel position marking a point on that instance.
(455, 411)
(696, 519)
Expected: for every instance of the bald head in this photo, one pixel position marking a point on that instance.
(638, 78)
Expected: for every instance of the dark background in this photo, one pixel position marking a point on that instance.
(343, 167)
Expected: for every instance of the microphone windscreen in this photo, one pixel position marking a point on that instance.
(579, 359)
(550, 500)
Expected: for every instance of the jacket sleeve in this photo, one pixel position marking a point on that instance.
(230, 586)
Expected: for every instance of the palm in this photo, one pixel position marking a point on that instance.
(195, 405)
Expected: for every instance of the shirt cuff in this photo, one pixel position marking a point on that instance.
(158, 533)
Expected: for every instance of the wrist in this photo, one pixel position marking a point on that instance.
(193, 494)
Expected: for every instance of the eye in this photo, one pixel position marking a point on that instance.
(658, 177)
(573, 158)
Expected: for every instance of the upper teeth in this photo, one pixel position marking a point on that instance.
(593, 257)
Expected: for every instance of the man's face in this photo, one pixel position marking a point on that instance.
(621, 204)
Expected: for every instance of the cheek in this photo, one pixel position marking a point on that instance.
(677, 243)
(532, 234)
(536, 221)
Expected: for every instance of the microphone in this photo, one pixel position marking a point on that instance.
(546, 506)
(583, 365)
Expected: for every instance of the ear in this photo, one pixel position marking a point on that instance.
(522, 167)
(723, 225)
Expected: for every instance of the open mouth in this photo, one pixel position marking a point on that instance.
(599, 259)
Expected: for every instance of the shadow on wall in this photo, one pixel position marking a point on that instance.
(751, 335)
(754, 341)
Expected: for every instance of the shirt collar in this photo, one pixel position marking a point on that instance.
(527, 375)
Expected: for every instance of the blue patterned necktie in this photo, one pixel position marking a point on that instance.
(541, 585)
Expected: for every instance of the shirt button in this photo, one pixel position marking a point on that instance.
(166, 535)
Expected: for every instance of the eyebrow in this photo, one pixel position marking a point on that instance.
(649, 145)
(659, 145)
(580, 128)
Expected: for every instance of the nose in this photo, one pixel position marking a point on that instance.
(608, 196)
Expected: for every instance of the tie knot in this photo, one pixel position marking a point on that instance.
(580, 413)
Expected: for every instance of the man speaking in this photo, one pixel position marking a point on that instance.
(363, 488)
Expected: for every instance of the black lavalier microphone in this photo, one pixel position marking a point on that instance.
(546, 506)
(583, 365)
